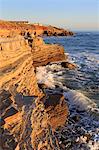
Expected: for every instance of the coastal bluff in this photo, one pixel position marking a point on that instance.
(8, 28)
(29, 115)
(17, 57)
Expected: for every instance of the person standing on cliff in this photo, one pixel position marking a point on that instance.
(35, 34)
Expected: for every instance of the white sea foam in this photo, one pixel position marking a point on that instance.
(79, 100)
(51, 75)
(53, 67)
(89, 61)
(84, 80)
(46, 75)
(43, 76)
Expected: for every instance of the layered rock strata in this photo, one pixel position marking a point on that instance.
(46, 53)
(18, 59)
(33, 127)
(29, 116)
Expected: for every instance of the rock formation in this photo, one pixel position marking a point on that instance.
(18, 60)
(29, 116)
(68, 65)
(10, 28)
(54, 31)
(16, 64)
(34, 123)
(45, 53)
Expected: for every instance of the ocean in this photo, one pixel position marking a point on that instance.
(82, 49)
(80, 87)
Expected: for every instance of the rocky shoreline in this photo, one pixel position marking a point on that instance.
(21, 98)
(9, 28)
(33, 115)
(81, 131)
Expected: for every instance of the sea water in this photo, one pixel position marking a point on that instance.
(82, 49)
(80, 86)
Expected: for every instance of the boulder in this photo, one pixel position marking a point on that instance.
(68, 65)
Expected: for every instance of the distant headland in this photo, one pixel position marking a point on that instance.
(22, 26)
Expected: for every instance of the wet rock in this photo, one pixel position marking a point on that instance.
(76, 118)
(88, 136)
(68, 65)
(42, 86)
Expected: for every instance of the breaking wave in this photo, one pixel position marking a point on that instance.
(54, 75)
(79, 104)
(80, 86)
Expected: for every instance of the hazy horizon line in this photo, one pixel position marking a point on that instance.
(60, 26)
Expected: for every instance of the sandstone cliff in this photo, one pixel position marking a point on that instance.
(16, 64)
(9, 28)
(18, 59)
(29, 116)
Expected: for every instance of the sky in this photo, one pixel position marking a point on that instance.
(70, 14)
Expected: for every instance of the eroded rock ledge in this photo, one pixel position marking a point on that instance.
(29, 116)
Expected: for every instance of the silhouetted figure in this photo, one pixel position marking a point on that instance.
(35, 34)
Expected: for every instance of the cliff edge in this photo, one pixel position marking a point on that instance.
(29, 115)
